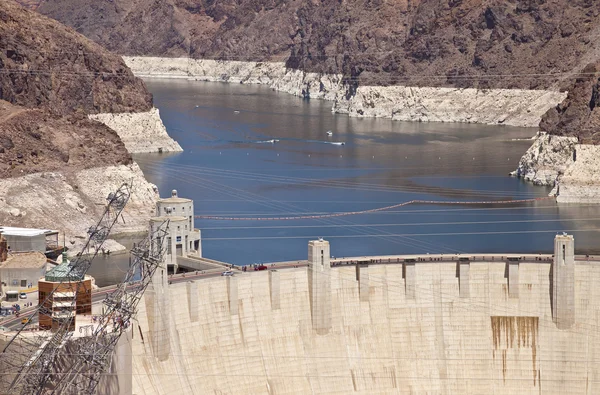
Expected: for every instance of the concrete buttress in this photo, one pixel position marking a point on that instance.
(563, 282)
(319, 285)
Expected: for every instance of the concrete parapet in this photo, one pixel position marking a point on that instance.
(191, 288)
(362, 276)
(232, 295)
(319, 285)
(274, 289)
(464, 267)
(513, 279)
(563, 282)
(410, 280)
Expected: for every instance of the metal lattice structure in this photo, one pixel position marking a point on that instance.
(28, 359)
(91, 356)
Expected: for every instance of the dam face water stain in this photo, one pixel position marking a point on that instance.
(252, 152)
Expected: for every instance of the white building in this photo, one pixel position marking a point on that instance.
(29, 239)
(21, 271)
(183, 238)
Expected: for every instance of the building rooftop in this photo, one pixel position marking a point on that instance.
(29, 232)
(24, 260)
(174, 198)
(62, 272)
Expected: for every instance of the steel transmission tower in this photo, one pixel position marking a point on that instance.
(29, 359)
(91, 356)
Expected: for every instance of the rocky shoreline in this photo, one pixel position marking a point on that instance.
(548, 162)
(514, 107)
(141, 132)
(572, 169)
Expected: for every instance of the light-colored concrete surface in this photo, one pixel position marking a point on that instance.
(319, 285)
(513, 279)
(463, 279)
(563, 282)
(436, 342)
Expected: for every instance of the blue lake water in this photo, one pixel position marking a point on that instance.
(231, 167)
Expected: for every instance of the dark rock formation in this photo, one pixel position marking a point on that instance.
(44, 64)
(579, 114)
(464, 43)
(34, 140)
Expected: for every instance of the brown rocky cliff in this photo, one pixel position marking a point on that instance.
(36, 140)
(529, 44)
(579, 114)
(464, 43)
(44, 64)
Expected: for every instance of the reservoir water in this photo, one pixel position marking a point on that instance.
(250, 152)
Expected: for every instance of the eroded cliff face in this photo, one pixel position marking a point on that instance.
(546, 159)
(34, 140)
(72, 201)
(56, 165)
(47, 65)
(473, 43)
(579, 114)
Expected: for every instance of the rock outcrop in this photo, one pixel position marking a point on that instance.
(546, 159)
(493, 106)
(579, 114)
(73, 201)
(515, 107)
(140, 132)
(572, 169)
(47, 65)
(36, 140)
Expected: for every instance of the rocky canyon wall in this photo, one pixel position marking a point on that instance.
(515, 107)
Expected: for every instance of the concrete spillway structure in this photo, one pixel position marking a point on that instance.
(463, 327)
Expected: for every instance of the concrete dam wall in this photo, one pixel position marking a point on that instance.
(417, 328)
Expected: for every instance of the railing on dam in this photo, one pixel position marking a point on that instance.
(390, 259)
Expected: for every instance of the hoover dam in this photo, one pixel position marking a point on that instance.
(458, 325)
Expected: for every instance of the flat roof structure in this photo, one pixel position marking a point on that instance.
(28, 232)
(24, 260)
(174, 198)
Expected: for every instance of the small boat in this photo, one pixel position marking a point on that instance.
(236, 112)
(329, 133)
(339, 143)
